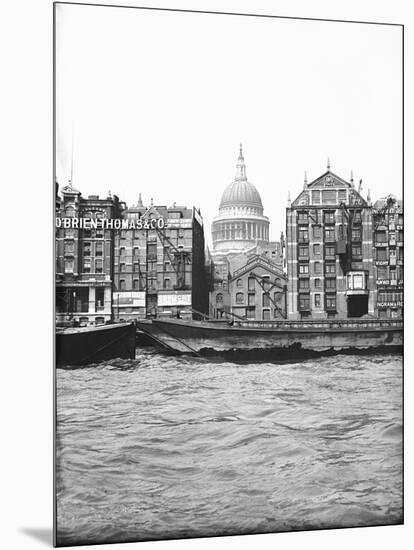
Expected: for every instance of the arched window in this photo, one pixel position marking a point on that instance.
(239, 298)
(277, 297)
(239, 283)
(219, 299)
(278, 282)
(70, 212)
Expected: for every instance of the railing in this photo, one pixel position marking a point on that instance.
(325, 324)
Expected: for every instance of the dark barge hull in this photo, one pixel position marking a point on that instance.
(84, 345)
(286, 336)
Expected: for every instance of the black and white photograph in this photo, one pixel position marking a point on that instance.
(228, 223)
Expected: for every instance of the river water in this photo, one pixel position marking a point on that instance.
(167, 447)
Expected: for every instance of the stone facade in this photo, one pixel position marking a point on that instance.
(240, 223)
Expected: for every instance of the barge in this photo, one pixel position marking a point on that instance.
(83, 345)
(285, 337)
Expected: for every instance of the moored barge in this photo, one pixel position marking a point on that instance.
(181, 336)
(84, 345)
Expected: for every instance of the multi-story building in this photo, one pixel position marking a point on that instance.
(258, 290)
(159, 267)
(329, 250)
(84, 257)
(388, 225)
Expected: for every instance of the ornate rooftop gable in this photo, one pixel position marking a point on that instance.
(258, 261)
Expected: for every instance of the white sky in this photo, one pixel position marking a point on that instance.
(158, 102)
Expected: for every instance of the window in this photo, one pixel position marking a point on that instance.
(317, 300)
(342, 195)
(87, 249)
(99, 234)
(303, 268)
(400, 236)
(239, 298)
(122, 252)
(277, 297)
(136, 267)
(317, 267)
(358, 282)
(317, 231)
(303, 252)
(356, 234)
(304, 302)
(69, 264)
(316, 197)
(87, 233)
(329, 217)
(356, 250)
(69, 233)
(329, 196)
(330, 302)
(122, 268)
(98, 249)
(303, 235)
(87, 266)
(251, 283)
(251, 300)
(69, 247)
(317, 249)
(330, 284)
(167, 283)
(239, 283)
(303, 284)
(122, 284)
(381, 254)
(393, 274)
(329, 234)
(98, 266)
(329, 251)
(381, 237)
(100, 299)
(70, 212)
(266, 315)
(318, 283)
(303, 217)
(357, 217)
(135, 284)
(266, 300)
(278, 282)
(382, 272)
(400, 253)
(330, 268)
(219, 299)
(135, 251)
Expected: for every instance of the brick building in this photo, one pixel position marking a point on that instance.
(258, 290)
(388, 225)
(329, 250)
(84, 257)
(159, 269)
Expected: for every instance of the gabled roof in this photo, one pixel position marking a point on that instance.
(328, 180)
(258, 261)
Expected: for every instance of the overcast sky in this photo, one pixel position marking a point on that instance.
(158, 102)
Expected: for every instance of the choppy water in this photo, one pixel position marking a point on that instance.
(165, 447)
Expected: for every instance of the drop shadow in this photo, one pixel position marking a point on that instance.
(44, 535)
